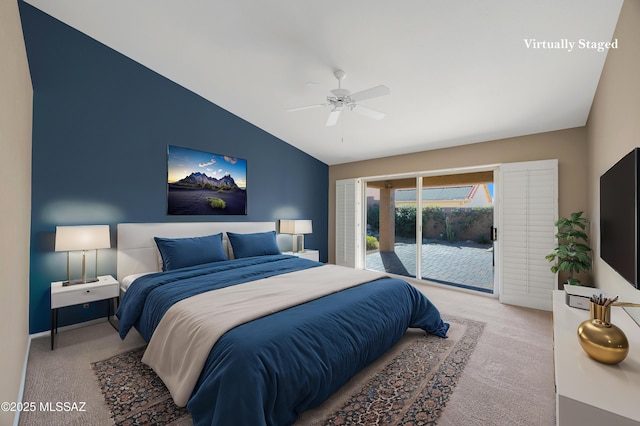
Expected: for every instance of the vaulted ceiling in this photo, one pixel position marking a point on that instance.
(459, 72)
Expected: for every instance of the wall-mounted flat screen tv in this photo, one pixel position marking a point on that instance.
(619, 225)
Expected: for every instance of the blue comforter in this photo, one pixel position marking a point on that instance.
(268, 371)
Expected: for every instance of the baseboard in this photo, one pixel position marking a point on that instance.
(23, 379)
(68, 327)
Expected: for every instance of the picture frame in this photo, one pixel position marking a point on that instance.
(204, 183)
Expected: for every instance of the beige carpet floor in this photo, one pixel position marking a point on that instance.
(508, 380)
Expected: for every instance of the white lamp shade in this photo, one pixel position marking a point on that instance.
(296, 227)
(87, 237)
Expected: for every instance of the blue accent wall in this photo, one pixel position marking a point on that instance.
(101, 126)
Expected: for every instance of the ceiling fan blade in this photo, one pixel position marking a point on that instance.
(369, 112)
(333, 117)
(374, 92)
(305, 107)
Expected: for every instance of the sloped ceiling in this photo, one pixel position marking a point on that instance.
(459, 72)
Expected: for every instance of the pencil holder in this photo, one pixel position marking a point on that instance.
(600, 312)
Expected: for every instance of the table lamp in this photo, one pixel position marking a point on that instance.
(81, 238)
(297, 228)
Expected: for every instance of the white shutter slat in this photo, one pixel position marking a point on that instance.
(527, 217)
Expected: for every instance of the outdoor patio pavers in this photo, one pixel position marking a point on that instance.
(461, 264)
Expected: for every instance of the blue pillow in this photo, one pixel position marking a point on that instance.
(258, 244)
(182, 252)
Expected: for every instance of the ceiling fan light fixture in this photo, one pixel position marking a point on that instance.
(342, 98)
(341, 93)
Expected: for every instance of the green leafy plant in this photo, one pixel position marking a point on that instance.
(482, 239)
(372, 242)
(216, 203)
(572, 252)
(405, 221)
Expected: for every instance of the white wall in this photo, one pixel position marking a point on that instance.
(613, 130)
(15, 201)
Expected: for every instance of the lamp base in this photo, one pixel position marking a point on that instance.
(74, 282)
(302, 250)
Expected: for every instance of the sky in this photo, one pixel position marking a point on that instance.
(375, 193)
(184, 161)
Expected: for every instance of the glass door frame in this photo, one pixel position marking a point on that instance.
(419, 177)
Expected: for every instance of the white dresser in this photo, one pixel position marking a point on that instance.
(587, 391)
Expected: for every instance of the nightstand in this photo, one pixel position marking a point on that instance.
(106, 287)
(307, 254)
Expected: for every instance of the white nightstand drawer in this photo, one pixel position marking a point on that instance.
(83, 293)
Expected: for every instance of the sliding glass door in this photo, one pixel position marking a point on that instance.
(436, 228)
(391, 227)
(455, 243)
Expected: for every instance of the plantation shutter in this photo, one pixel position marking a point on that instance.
(528, 212)
(349, 223)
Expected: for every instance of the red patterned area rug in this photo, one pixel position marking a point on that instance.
(134, 392)
(410, 387)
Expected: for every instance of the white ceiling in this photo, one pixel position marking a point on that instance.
(459, 71)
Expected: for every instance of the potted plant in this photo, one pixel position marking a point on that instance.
(572, 252)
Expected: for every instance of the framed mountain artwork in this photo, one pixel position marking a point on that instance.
(202, 183)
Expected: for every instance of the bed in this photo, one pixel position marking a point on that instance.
(247, 335)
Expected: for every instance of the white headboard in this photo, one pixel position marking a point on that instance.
(137, 251)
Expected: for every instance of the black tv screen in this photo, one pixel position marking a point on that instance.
(619, 217)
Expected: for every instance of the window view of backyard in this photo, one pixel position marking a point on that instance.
(457, 220)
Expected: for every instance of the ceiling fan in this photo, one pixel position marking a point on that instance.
(343, 99)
